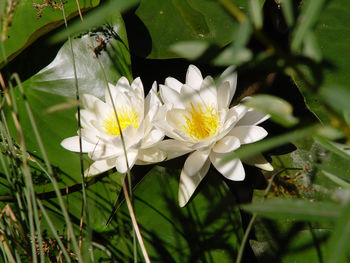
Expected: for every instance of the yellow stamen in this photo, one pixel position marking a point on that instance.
(202, 123)
(126, 117)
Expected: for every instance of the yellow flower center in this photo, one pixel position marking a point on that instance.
(201, 123)
(126, 117)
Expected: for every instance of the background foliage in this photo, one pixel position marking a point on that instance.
(294, 53)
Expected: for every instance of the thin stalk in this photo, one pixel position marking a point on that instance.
(252, 220)
(135, 225)
(123, 143)
(6, 251)
(29, 183)
(6, 134)
(79, 10)
(54, 231)
(84, 205)
(273, 48)
(28, 190)
(47, 162)
(317, 244)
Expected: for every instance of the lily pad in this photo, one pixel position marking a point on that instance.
(55, 85)
(27, 20)
(333, 36)
(160, 24)
(208, 228)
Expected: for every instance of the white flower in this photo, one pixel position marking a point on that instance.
(197, 118)
(101, 135)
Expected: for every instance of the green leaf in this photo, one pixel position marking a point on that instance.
(22, 26)
(52, 86)
(310, 13)
(333, 37)
(95, 18)
(296, 209)
(279, 109)
(237, 53)
(207, 228)
(164, 23)
(339, 242)
(256, 13)
(307, 246)
(335, 176)
(338, 96)
(267, 144)
(337, 148)
(190, 49)
(287, 9)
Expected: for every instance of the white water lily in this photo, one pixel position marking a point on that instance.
(100, 133)
(197, 118)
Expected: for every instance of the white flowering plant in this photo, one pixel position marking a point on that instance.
(174, 131)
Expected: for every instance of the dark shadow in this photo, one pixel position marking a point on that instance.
(33, 58)
(140, 41)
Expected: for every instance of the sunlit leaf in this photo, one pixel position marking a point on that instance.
(190, 49)
(237, 53)
(95, 18)
(27, 23)
(279, 109)
(333, 37)
(208, 226)
(339, 242)
(267, 144)
(310, 14)
(296, 209)
(164, 23)
(53, 86)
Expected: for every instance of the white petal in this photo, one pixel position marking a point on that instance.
(100, 166)
(195, 162)
(169, 130)
(104, 151)
(137, 87)
(151, 155)
(173, 148)
(223, 95)
(208, 92)
(152, 138)
(123, 84)
(188, 184)
(248, 134)
(132, 137)
(92, 135)
(113, 90)
(152, 99)
(72, 144)
(150, 118)
(190, 96)
(227, 144)
(204, 144)
(173, 84)
(232, 169)
(241, 110)
(177, 118)
(170, 96)
(86, 116)
(124, 100)
(253, 117)
(230, 76)
(260, 162)
(95, 105)
(121, 162)
(194, 77)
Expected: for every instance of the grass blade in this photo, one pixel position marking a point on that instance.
(340, 239)
(297, 209)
